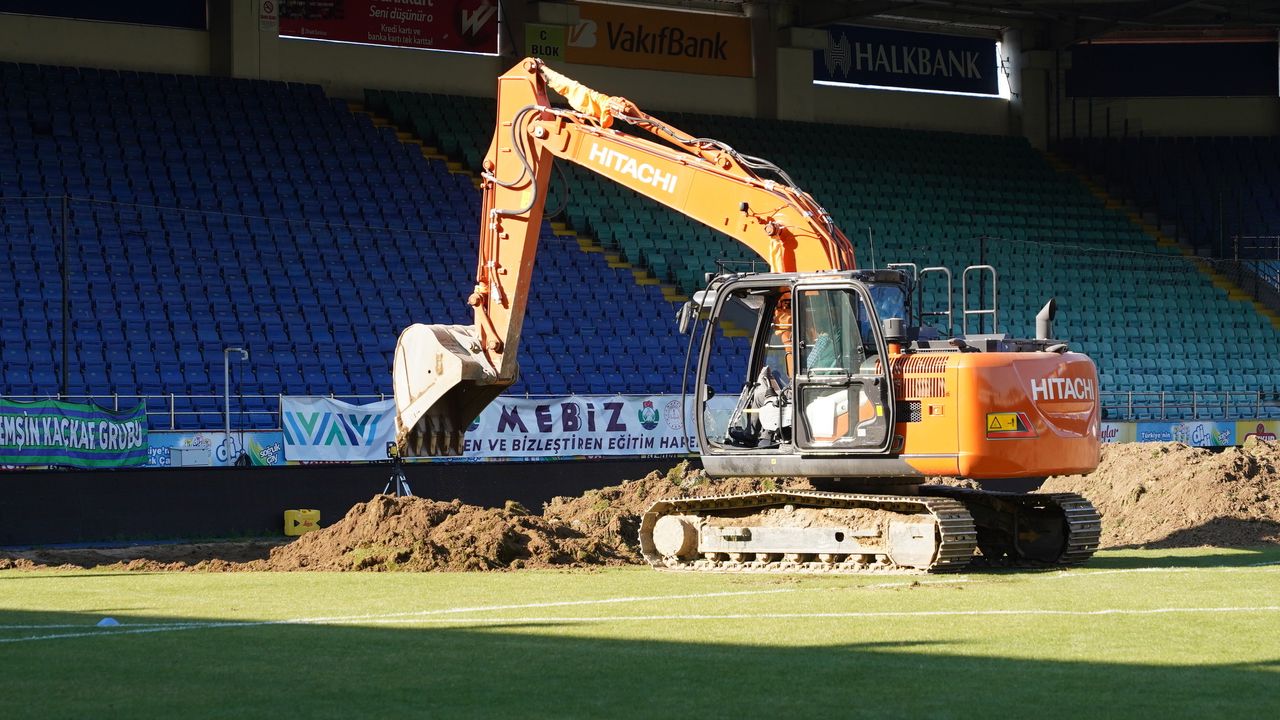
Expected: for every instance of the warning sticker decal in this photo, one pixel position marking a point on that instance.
(1005, 425)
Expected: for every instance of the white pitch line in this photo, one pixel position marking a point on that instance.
(422, 615)
(423, 619)
(1085, 572)
(824, 616)
(141, 629)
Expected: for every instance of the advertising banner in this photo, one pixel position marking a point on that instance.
(173, 449)
(323, 429)
(579, 426)
(1197, 433)
(1118, 432)
(462, 25)
(1267, 430)
(858, 55)
(1189, 69)
(650, 39)
(190, 14)
(52, 432)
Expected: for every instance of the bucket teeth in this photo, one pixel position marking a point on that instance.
(442, 382)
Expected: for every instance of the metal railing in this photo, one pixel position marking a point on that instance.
(1189, 405)
(165, 411)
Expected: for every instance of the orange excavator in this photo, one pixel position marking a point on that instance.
(842, 382)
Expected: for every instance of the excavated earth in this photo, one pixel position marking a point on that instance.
(1150, 495)
(1165, 495)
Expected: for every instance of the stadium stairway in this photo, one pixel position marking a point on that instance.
(1163, 239)
(1209, 188)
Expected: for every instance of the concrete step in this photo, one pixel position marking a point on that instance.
(643, 277)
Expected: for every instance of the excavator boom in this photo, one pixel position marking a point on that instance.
(444, 375)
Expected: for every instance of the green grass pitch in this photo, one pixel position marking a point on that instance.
(1145, 634)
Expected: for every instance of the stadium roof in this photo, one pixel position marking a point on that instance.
(1065, 21)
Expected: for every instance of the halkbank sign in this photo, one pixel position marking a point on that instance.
(857, 55)
(52, 432)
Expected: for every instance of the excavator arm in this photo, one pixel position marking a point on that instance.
(444, 375)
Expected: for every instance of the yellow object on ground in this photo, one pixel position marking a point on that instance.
(297, 522)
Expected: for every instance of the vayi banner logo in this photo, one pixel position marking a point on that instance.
(332, 430)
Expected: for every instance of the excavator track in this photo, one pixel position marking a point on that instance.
(808, 531)
(1028, 529)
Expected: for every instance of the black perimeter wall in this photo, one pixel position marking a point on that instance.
(47, 507)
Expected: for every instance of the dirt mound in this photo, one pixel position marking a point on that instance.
(598, 528)
(611, 515)
(411, 533)
(1164, 495)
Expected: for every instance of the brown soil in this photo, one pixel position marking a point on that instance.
(1154, 495)
(410, 533)
(1163, 495)
(612, 515)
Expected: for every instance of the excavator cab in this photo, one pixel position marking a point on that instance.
(800, 360)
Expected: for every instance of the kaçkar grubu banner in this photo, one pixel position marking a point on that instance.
(858, 55)
(52, 432)
(461, 25)
(323, 429)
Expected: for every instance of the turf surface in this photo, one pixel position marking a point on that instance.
(1133, 634)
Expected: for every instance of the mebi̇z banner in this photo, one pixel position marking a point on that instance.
(580, 425)
(52, 432)
(331, 430)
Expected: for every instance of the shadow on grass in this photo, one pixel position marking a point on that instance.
(57, 574)
(99, 554)
(1222, 532)
(1180, 557)
(568, 669)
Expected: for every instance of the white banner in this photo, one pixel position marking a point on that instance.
(327, 429)
(578, 425)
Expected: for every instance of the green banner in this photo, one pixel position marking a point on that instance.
(52, 432)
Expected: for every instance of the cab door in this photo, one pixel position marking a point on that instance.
(842, 393)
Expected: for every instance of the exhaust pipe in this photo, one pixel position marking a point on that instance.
(1044, 320)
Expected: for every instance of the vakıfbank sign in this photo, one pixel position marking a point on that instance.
(52, 432)
(648, 39)
(858, 55)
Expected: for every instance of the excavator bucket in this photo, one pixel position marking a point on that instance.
(442, 382)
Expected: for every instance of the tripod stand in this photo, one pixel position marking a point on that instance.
(397, 479)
